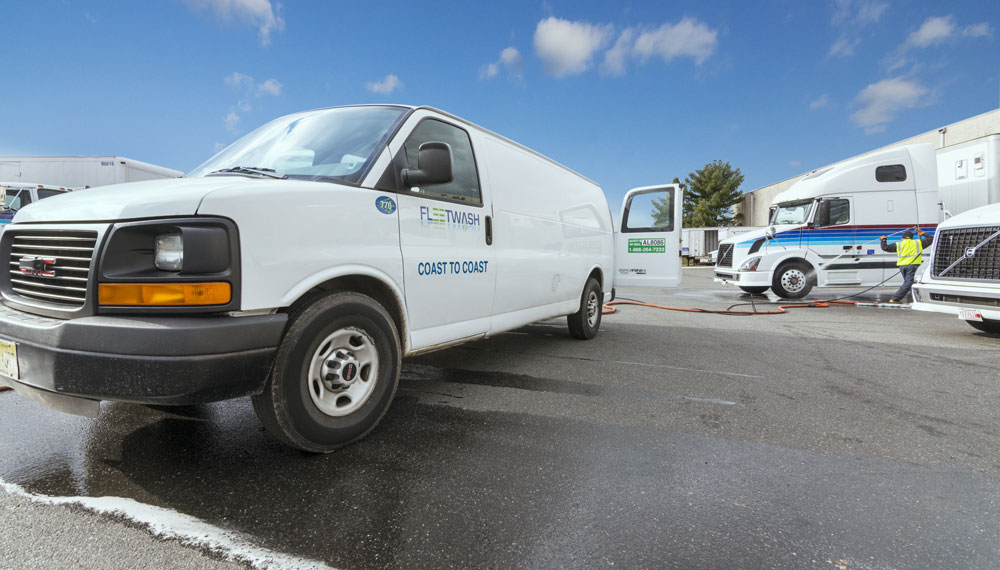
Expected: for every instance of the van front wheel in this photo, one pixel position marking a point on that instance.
(793, 280)
(335, 373)
(585, 323)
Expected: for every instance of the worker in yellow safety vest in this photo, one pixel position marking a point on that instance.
(908, 252)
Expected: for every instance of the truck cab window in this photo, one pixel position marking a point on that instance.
(833, 212)
(464, 186)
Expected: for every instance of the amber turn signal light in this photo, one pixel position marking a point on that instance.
(164, 294)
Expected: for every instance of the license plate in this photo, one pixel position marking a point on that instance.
(8, 359)
(970, 315)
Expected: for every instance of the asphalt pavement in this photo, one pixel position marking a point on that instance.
(842, 437)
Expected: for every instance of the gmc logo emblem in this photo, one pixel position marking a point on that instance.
(37, 266)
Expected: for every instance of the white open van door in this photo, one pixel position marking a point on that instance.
(647, 245)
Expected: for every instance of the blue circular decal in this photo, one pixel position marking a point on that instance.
(385, 204)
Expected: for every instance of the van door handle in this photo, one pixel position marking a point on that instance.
(489, 230)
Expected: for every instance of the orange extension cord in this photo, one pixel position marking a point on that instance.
(609, 309)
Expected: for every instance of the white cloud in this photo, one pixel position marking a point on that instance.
(489, 71)
(270, 87)
(980, 30)
(389, 84)
(258, 13)
(933, 31)
(567, 48)
(820, 103)
(87, 16)
(510, 59)
(232, 121)
(240, 81)
(881, 102)
(689, 37)
(615, 58)
(844, 46)
(795, 163)
(851, 16)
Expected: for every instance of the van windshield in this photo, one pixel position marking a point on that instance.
(330, 144)
(796, 212)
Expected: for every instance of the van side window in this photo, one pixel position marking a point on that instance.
(464, 186)
(835, 212)
(650, 212)
(891, 173)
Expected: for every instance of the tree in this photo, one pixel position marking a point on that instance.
(711, 194)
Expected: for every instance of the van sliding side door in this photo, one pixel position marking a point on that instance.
(647, 245)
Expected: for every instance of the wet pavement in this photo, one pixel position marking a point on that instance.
(673, 440)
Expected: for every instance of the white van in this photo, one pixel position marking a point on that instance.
(825, 228)
(963, 276)
(299, 265)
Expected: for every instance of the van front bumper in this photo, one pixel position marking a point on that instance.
(145, 359)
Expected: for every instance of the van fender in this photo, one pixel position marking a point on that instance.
(320, 277)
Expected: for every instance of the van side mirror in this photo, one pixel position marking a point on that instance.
(434, 166)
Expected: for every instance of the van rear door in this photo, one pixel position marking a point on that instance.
(647, 245)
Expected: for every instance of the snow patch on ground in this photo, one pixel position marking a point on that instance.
(172, 525)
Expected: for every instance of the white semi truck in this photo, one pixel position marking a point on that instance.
(825, 229)
(80, 172)
(299, 265)
(963, 276)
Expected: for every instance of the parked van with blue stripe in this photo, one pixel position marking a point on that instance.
(824, 231)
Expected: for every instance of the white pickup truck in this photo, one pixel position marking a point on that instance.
(299, 265)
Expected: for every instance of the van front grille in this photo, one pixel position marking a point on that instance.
(953, 244)
(52, 266)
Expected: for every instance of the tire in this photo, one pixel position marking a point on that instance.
(754, 290)
(992, 327)
(793, 280)
(585, 323)
(335, 373)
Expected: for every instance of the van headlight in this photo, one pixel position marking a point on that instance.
(750, 264)
(170, 265)
(169, 253)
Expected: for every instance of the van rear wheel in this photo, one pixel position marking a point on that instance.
(793, 280)
(585, 323)
(335, 373)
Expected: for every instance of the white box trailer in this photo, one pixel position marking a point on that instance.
(968, 176)
(699, 243)
(80, 171)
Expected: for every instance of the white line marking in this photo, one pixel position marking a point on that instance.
(169, 524)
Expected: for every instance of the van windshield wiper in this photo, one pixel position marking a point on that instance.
(269, 172)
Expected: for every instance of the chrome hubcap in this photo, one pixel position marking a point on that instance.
(593, 309)
(793, 280)
(342, 372)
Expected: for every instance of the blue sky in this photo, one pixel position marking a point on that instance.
(626, 93)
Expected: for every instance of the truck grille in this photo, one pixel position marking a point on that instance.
(726, 255)
(52, 266)
(952, 244)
